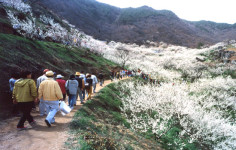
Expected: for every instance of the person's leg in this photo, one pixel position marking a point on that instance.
(77, 94)
(73, 97)
(80, 95)
(42, 107)
(54, 105)
(28, 108)
(83, 92)
(22, 119)
(64, 97)
(90, 92)
(94, 88)
(70, 101)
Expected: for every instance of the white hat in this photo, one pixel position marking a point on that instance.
(49, 73)
(59, 76)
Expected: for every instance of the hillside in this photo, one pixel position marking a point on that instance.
(137, 25)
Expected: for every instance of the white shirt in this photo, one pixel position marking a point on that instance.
(95, 80)
(41, 79)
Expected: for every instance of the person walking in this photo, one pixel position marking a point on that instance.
(101, 78)
(51, 93)
(24, 95)
(82, 75)
(72, 86)
(42, 108)
(14, 77)
(80, 87)
(62, 84)
(88, 86)
(95, 81)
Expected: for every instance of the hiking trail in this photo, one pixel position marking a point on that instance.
(39, 137)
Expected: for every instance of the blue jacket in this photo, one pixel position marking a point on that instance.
(72, 85)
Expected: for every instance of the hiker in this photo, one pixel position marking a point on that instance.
(42, 108)
(14, 77)
(121, 74)
(112, 74)
(62, 84)
(82, 75)
(101, 78)
(80, 87)
(118, 75)
(72, 87)
(95, 81)
(51, 93)
(88, 85)
(24, 95)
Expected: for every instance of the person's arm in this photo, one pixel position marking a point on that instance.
(14, 95)
(96, 80)
(58, 91)
(40, 91)
(38, 83)
(83, 86)
(33, 90)
(66, 84)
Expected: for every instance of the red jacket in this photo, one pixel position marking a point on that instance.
(62, 84)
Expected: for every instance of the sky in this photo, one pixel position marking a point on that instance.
(220, 11)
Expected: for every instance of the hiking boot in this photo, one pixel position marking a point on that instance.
(21, 128)
(33, 124)
(48, 124)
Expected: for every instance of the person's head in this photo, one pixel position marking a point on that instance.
(49, 74)
(25, 74)
(59, 76)
(88, 75)
(82, 72)
(45, 70)
(77, 74)
(15, 75)
(72, 76)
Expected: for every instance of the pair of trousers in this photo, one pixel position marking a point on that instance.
(42, 108)
(72, 100)
(89, 91)
(83, 93)
(79, 93)
(101, 82)
(94, 87)
(53, 107)
(25, 108)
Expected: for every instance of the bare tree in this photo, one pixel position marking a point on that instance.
(123, 55)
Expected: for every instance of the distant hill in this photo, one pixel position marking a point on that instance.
(137, 25)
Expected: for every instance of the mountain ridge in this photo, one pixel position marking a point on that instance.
(137, 25)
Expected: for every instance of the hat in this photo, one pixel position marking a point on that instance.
(49, 73)
(77, 73)
(59, 76)
(45, 70)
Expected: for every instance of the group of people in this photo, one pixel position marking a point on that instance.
(48, 91)
(118, 75)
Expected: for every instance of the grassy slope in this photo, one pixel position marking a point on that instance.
(100, 125)
(21, 53)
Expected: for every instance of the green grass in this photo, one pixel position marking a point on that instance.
(99, 124)
(18, 53)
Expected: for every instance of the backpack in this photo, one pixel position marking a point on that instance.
(80, 82)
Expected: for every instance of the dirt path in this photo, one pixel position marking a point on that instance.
(39, 137)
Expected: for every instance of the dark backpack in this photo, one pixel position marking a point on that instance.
(79, 81)
(89, 81)
(100, 76)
